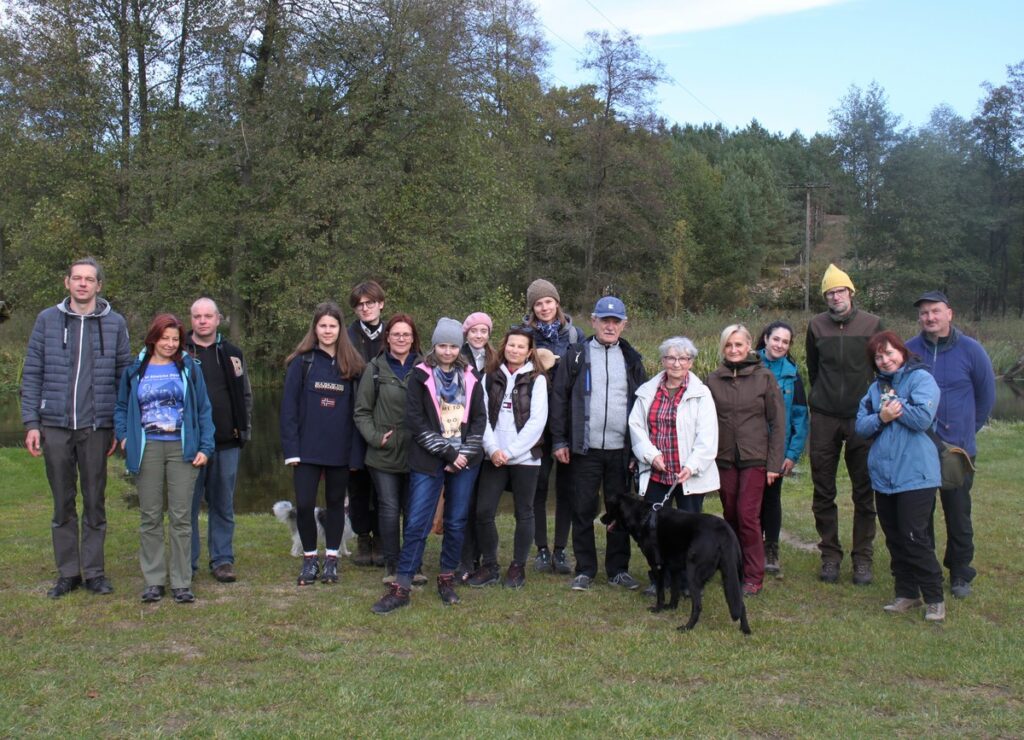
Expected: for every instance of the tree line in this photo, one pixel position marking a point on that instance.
(270, 153)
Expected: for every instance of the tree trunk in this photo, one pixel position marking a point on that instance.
(179, 72)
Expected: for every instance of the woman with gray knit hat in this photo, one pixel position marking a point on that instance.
(445, 416)
(554, 331)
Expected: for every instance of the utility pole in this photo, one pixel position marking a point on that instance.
(807, 188)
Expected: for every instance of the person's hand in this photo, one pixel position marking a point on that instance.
(113, 445)
(787, 466)
(684, 475)
(562, 455)
(499, 458)
(891, 411)
(33, 442)
(772, 477)
(200, 460)
(461, 463)
(124, 444)
(386, 437)
(658, 463)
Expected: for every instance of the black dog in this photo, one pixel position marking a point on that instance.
(675, 541)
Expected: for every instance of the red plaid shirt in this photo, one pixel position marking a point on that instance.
(661, 425)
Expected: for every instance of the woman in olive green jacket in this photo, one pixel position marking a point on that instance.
(380, 418)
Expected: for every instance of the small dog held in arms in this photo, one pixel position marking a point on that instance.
(675, 541)
(285, 512)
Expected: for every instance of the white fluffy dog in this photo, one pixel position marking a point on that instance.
(285, 512)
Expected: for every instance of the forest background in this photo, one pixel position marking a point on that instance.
(271, 153)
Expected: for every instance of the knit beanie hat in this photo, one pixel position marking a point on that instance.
(447, 331)
(478, 317)
(836, 278)
(538, 289)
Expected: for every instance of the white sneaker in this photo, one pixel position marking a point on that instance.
(935, 612)
(902, 605)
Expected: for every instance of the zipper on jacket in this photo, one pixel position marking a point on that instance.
(607, 387)
(184, 407)
(78, 373)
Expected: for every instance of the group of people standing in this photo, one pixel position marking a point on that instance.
(417, 439)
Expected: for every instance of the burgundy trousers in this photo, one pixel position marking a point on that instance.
(741, 492)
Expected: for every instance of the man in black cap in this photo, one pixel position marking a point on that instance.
(963, 371)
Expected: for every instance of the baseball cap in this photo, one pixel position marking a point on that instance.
(610, 307)
(932, 296)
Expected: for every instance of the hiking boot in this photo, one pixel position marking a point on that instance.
(625, 580)
(330, 574)
(99, 585)
(446, 589)
(902, 605)
(225, 573)
(771, 558)
(935, 612)
(364, 551)
(752, 589)
(395, 598)
(542, 562)
(516, 576)
(960, 587)
(418, 579)
(377, 558)
(389, 573)
(580, 583)
(862, 575)
(829, 571)
(64, 585)
(651, 590)
(183, 595)
(310, 570)
(486, 575)
(560, 563)
(153, 594)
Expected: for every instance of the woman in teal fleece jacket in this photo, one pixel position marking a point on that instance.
(164, 423)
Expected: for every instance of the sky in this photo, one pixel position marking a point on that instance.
(788, 63)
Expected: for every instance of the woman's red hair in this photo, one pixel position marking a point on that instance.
(161, 323)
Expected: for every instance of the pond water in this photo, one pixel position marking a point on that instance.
(263, 478)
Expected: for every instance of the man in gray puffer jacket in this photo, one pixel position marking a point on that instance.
(76, 356)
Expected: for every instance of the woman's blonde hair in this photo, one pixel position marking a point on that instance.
(728, 332)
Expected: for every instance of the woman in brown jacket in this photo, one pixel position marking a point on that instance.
(751, 443)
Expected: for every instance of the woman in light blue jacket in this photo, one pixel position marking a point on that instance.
(773, 347)
(164, 424)
(897, 413)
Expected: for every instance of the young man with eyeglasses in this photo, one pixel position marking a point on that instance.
(839, 372)
(367, 336)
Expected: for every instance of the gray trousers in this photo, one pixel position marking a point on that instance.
(73, 457)
(163, 461)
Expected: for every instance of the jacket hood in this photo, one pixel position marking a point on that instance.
(784, 364)
(744, 367)
(912, 364)
(101, 310)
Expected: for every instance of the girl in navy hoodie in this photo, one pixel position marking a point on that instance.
(318, 434)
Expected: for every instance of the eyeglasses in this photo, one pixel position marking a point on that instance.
(366, 304)
(837, 293)
(403, 335)
(674, 360)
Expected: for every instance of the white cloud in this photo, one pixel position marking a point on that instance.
(650, 18)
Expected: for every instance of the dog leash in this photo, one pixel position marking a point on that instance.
(661, 504)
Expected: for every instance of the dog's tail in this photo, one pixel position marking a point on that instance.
(282, 509)
(732, 579)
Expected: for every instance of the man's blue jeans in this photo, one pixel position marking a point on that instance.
(216, 483)
(424, 493)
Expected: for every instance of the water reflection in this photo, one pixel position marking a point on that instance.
(263, 478)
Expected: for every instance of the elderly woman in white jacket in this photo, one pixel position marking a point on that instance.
(674, 428)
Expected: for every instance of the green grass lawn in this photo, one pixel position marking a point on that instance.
(263, 657)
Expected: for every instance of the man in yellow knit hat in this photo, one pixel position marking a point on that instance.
(839, 371)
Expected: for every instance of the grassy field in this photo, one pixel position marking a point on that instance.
(263, 657)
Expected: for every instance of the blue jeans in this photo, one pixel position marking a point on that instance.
(424, 493)
(216, 483)
(392, 500)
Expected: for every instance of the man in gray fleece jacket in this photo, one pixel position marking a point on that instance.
(592, 395)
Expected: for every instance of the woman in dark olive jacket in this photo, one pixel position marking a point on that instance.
(380, 417)
(751, 443)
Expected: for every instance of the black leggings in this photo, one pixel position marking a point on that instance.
(306, 481)
(522, 479)
(771, 512)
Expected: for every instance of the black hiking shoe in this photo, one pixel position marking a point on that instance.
(310, 570)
